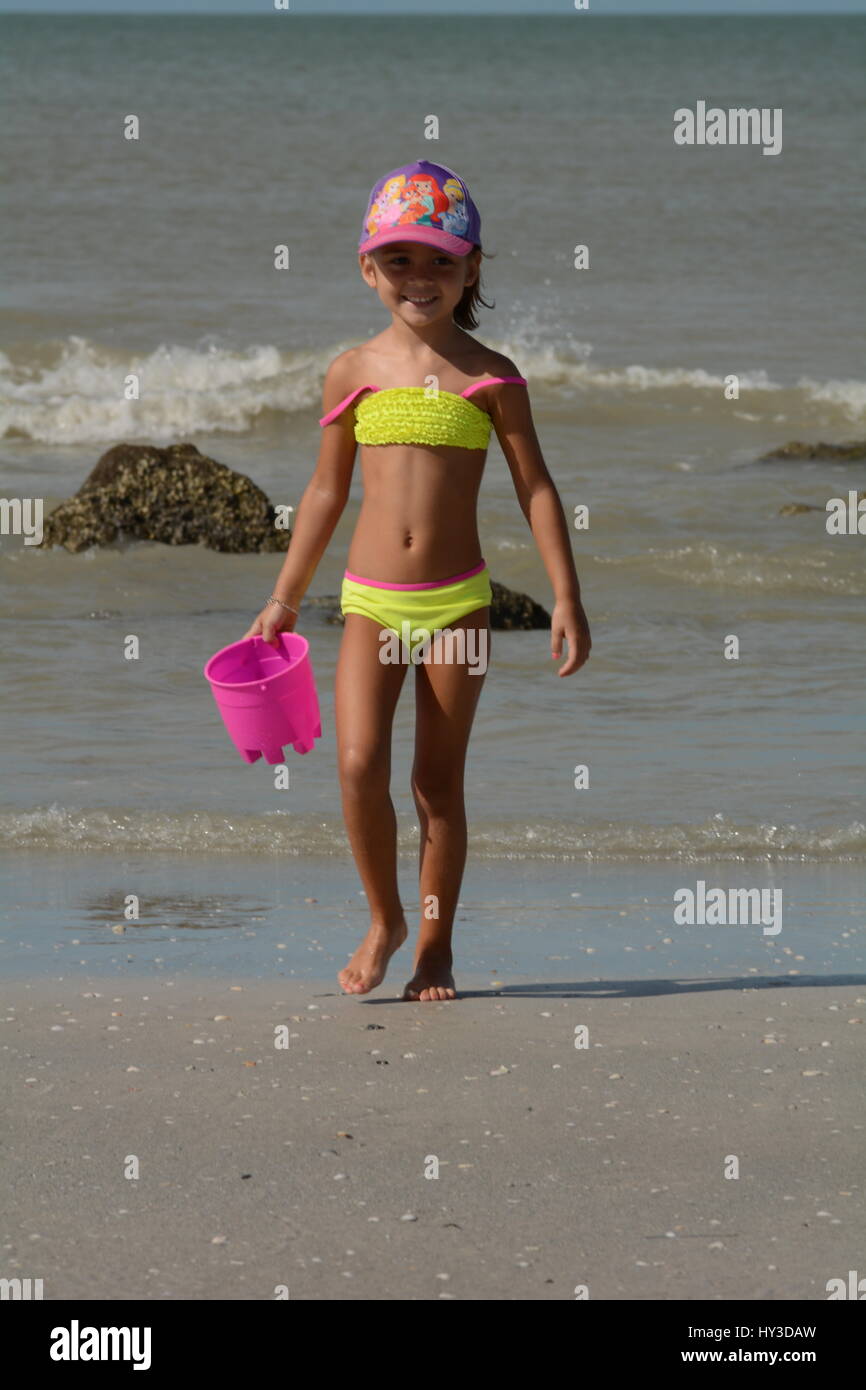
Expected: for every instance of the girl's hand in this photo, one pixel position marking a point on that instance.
(272, 620)
(569, 621)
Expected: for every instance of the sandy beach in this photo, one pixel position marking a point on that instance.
(305, 1166)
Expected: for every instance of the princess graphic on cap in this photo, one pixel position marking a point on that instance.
(454, 219)
(424, 201)
(388, 205)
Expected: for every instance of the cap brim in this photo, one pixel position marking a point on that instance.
(428, 236)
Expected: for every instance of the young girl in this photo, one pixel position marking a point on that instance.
(420, 399)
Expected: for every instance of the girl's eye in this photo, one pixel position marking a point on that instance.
(401, 259)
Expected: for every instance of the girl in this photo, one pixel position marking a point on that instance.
(420, 399)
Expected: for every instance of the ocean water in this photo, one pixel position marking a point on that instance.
(156, 256)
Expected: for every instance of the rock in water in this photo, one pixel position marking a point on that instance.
(175, 495)
(840, 453)
(799, 508)
(512, 610)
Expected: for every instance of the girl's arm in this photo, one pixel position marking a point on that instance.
(318, 512)
(539, 501)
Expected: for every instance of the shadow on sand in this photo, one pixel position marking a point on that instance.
(632, 989)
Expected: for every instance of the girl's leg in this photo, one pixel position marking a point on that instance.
(366, 694)
(446, 695)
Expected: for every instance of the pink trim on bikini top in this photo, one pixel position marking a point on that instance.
(476, 386)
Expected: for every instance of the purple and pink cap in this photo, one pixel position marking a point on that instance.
(421, 202)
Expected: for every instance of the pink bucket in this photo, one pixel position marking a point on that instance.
(266, 696)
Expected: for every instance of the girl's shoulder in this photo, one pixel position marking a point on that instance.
(351, 367)
(350, 373)
(343, 365)
(482, 361)
(494, 377)
(496, 364)
(344, 374)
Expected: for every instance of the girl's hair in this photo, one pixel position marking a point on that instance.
(465, 315)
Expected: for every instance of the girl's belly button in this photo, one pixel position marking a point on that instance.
(407, 541)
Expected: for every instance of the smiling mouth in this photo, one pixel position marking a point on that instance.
(421, 300)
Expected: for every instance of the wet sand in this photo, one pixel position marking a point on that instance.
(558, 1166)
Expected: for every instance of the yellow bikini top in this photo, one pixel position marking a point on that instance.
(414, 415)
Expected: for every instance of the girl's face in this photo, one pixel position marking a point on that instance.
(419, 284)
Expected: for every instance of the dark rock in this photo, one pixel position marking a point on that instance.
(509, 610)
(513, 610)
(328, 605)
(798, 508)
(175, 495)
(840, 453)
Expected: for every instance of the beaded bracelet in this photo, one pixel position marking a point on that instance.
(287, 606)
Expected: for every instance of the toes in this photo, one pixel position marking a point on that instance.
(428, 994)
(351, 984)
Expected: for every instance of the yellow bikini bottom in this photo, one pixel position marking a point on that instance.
(415, 612)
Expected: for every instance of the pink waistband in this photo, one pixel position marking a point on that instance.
(428, 584)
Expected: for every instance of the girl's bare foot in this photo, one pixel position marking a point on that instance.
(367, 967)
(432, 979)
